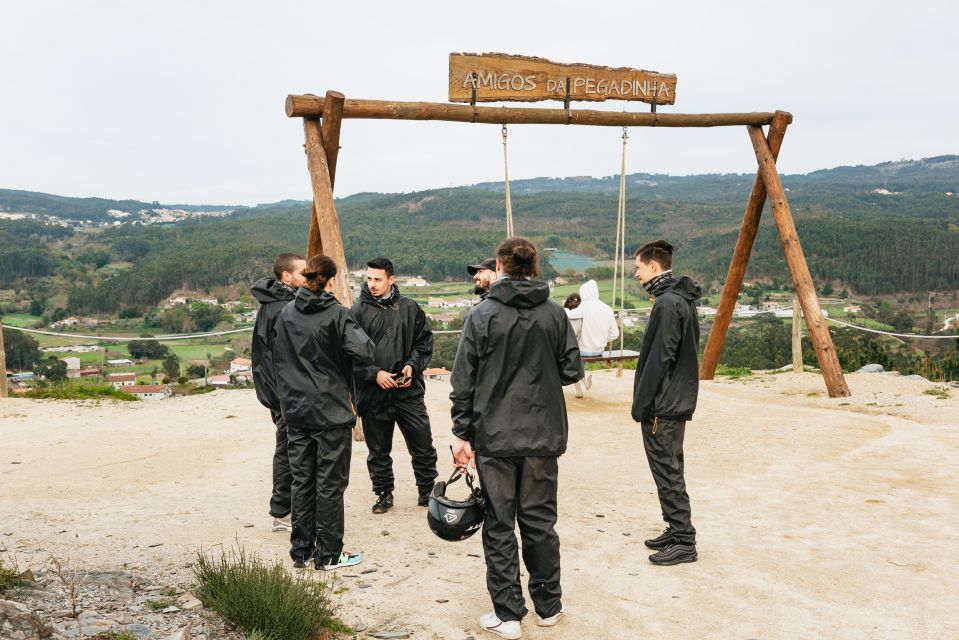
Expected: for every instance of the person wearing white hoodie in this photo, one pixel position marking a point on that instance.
(598, 326)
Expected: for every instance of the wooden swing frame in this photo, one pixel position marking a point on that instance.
(323, 116)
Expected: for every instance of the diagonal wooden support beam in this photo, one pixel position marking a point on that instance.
(802, 281)
(326, 218)
(744, 246)
(330, 132)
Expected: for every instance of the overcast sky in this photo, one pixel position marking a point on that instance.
(182, 102)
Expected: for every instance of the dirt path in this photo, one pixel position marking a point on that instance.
(817, 517)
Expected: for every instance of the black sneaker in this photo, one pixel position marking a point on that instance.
(299, 563)
(674, 554)
(661, 541)
(424, 499)
(384, 502)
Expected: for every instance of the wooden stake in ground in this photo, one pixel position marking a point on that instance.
(802, 281)
(3, 365)
(744, 246)
(797, 337)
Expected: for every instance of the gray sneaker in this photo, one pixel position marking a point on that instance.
(282, 524)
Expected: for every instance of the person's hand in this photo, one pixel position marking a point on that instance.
(463, 455)
(385, 380)
(408, 372)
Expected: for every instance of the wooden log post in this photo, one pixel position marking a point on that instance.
(3, 365)
(326, 218)
(308, 106)
(797, 336)
(802, 281)
(330, 130)
(744, 246)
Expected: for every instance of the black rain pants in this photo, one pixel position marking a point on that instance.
(664, 451)
(414, 423)
(320, 462)
(524, 489)
(282, 480)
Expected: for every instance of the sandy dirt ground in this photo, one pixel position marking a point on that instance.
(817, 517)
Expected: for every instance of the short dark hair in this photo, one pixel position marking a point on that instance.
(658, 251)
(573, 300)
(381, 263)
(319, 270)
(519, 257)
(284, 262)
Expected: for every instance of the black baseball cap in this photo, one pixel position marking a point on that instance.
(489, 263)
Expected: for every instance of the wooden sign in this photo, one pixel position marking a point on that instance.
(502, 77)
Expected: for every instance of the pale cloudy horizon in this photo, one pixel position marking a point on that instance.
(182, 102)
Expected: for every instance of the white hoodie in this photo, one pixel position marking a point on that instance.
(598, 320)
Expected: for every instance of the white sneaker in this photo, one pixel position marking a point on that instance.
(550, 621)
(282, 524)
(509, 629)
(589, 380)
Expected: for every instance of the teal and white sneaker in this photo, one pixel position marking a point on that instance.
(346, 559)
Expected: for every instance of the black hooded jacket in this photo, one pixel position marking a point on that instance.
(402, 337)
(516, 352)
(272, 296)
(667, 376)
(318, 343)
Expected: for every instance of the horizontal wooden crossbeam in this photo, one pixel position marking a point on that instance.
(310, 106)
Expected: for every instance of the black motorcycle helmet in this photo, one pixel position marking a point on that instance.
(455, 519)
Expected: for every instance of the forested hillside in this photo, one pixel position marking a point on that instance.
(905, 238)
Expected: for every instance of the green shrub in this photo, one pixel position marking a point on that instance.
(733, 372)
(9, 577)
(265, 600)
(78, 391)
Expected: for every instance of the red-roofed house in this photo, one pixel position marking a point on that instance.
(149, 391)
(122, 379)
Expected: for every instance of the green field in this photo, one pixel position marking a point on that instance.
(20, 320)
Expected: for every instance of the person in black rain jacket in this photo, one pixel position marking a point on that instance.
(273, 294)
(392, 389)
(516, 352)
(318, 343)
(665, 391)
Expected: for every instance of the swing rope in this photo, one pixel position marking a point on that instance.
(619, 262)
(509, 204)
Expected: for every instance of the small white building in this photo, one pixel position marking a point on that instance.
(73, 366)
(852, 308)
(122, 379)
(416, 282)
(240, 364)
(149, 391)
(120, 362)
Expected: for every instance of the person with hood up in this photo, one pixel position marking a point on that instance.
(664, 394)
(273, 294)
(318, 344)
(391, 391)
(597, 327)
(516, 352)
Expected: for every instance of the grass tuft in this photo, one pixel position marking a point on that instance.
(75, 391)
(9, 577)
(265, 600)
(941, 393)
(733, 372)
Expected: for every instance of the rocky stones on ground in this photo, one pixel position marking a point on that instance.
(871, 368)
(17, 622)
(390, 635)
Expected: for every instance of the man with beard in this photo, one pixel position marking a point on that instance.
(273, 294)
(516, 352)
(484, 275)
(665, 392)
(391, 391)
